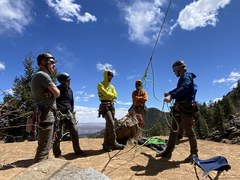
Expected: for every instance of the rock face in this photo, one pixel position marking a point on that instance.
(231, 133)
(58, 169)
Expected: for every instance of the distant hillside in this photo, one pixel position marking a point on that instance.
(87, 129)
(220, 121)
(154, 124)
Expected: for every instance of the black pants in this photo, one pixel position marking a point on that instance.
(69, 123)
(183, 118)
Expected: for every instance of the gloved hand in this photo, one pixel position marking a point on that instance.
(166, 94)
(167, 99)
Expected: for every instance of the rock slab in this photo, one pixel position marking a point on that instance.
(57, 169)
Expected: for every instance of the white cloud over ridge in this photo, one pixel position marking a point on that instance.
(200, 13)
(2, 66)
(9, 91)
(231, 80)
(143, 18)
(14, 15)
(68, 11)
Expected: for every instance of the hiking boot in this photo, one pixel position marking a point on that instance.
(180, 136)
(107, 148)
(118, 146)
(190, 158)
(80, 153)
(165, 154)
(60, 157)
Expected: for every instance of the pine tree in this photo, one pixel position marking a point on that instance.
(201, 126)
(227, 106)
(218, 115)
(21, 86)
(20, 102)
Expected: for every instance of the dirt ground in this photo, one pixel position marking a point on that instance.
(134, 162)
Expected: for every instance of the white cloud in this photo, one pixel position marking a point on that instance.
(14, 15)
(200, 13)
(90, 114)
(133, 76)
(68, 10)
(124, 103)
(77, 98)
(86, 97)
(103, 67)
(209, 103)
(79, 92)
(144, 18)
(231, 80)
(120, 112)
(83, 96)
(234, 85)
(2, 66)
(9, 91)
(60, 47)
(87, 114)
(219, 66)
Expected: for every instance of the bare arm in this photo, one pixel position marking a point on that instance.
(54, 90)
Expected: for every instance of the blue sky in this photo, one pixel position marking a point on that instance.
(87, 37)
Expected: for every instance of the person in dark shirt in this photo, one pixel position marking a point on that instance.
(183, 110)
(65, 105)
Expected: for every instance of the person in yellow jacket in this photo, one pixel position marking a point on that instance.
(107, 94)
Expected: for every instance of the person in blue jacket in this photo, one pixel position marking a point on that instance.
(182, 110)
(65, 105)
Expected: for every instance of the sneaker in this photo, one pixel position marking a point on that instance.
(165, 154)
(190, 158)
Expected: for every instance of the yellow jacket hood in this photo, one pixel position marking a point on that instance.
(106, 90)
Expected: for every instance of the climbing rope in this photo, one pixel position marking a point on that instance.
(158, 37)
(150, 63)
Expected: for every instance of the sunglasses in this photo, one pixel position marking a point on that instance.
(51, 62)
(110, 74)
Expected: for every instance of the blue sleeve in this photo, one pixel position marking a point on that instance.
(172, 91)
(185, 87)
